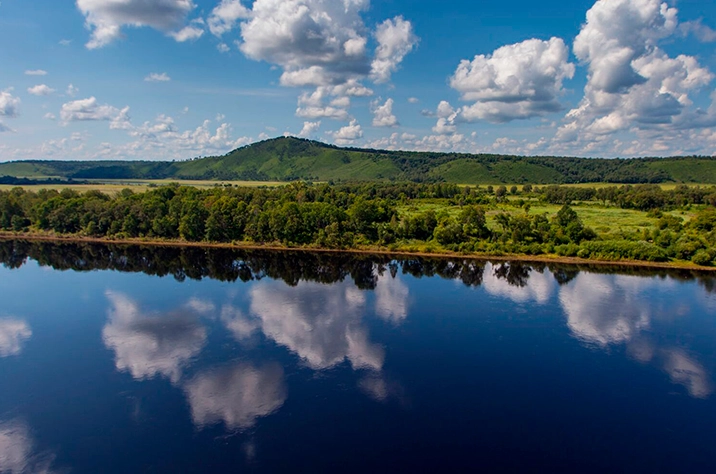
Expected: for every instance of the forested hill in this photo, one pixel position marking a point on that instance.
(287, 159)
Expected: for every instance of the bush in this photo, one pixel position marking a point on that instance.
(687, 246)
(624, 250)
(568, 250)
(703, 258)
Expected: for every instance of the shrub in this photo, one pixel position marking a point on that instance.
(687, 246)
(568, 250)
(624, 249)
(703, 258)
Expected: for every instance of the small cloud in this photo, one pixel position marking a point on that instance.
(427, 113)
(40, 90)
(702, 32)
(156, 77)
(220, 117)
(414, 100)
(65, 42)
(223, 48)
(72, 90)
(309, 129)
(188, 33)
(36, 72)
(383, 114)
(50, 116)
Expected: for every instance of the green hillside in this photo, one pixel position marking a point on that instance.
(287, 159)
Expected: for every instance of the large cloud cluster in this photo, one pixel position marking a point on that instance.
(632, 83)
(517, 81)
(319, 44)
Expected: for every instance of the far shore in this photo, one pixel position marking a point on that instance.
(39, 237)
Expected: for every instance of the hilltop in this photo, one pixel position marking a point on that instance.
(288, 159)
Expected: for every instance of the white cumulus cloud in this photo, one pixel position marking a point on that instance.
(318, 44)
(396, 40)
(191, 32)
(9, 104)
(105, 18)
(90, 110)
(309, 128)
(40, 90)
(383, 114)
(633, 85)
(517, 81)
(225, 16)
(348, 134)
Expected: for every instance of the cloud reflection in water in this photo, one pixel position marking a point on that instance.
(605, 310)
(18, 453)
(237, 395)
(13, 333)
(153, 345)
(322, 324)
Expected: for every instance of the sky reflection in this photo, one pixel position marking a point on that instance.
(13, 334)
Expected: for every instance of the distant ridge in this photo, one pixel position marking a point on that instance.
(289, 158)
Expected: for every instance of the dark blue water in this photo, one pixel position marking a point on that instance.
(127, 360)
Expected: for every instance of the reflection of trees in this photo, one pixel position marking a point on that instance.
(236, 395)
(516, 274)
(151, 345)
(291, 267)
(18, 453)
(469, 272)
(519, 282)
(13, 332)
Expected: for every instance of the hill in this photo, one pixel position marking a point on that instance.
(287, 159)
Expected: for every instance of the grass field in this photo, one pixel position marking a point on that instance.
(608, 222)
(664, 186)
(113, 187)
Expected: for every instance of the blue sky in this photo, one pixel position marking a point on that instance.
(175, 79)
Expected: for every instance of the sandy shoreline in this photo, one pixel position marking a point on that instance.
(35, 237)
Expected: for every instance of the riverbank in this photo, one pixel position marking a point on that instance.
(54, 238)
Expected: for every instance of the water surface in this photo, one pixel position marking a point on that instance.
(128, 359)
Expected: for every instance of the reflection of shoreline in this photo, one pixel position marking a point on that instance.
(378, 252)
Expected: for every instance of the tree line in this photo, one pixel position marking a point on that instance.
(357, 216)
(232, 265)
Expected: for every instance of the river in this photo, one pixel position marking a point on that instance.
(120, 359)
